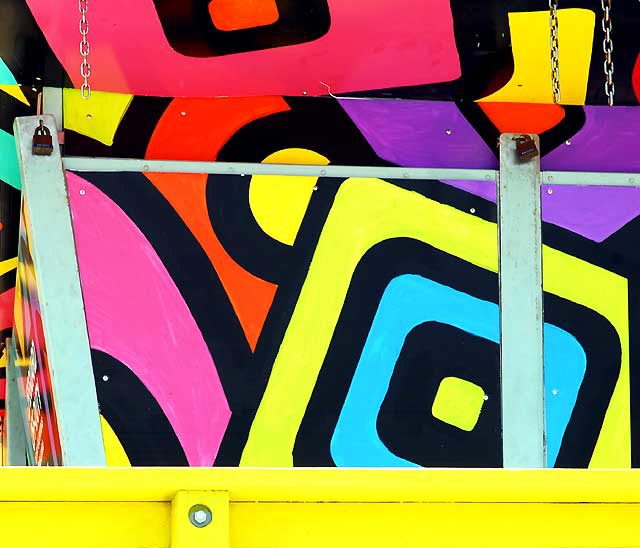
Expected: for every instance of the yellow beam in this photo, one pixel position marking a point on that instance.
(321, 485)
(318, 508)
(191, 530)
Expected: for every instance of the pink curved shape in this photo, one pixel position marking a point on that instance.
(136, 314)
(370, 45)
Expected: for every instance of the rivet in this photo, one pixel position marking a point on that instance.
(485, 398)
(323, 172)
(315, 187)
(472, 210)
(82, 192)
(145, 167)
(304, 93)
(200, 515)
(105, 378)
(405, 175)
(448, 131)
(89, 117)
(183, 113)
(568, 142)
(549, 191)
(554, 392)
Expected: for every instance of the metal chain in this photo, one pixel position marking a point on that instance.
(607, 46)
(555, 62)
(85, 67)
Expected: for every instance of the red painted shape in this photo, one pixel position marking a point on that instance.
(523, 117)
(635, 78)
(6, 308)
(198, 135)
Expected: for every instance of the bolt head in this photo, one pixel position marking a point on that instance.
(200, 516)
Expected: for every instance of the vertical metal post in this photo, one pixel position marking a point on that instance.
(60, 296)
(521, 315)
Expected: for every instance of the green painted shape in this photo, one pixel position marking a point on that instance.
(9, 170)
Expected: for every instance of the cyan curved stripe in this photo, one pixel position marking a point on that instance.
(408, 301)
(9, 171)
(565, 363)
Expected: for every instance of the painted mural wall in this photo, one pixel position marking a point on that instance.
(356, 321)
(319, 322)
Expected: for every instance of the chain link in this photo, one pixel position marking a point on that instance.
(85, 67)
(555, 63)
(555, 53)
(607, 46)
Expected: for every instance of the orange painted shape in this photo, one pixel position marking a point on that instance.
(250, 296)
(243, 14)
(196, 129)
(523, 117)
(198, 135)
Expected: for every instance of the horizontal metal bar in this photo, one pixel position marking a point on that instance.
(590, 178)
(74, 163)
(233, 168)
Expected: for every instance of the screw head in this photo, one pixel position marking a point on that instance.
(200, 515)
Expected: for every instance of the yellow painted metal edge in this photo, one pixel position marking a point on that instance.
(309, 485)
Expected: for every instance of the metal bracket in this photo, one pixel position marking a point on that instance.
(200, 519)
(52, 103)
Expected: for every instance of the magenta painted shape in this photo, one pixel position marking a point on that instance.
(136, 314)
(388, 43)
(435, 134)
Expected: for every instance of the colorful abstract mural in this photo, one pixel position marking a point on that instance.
(14, 101)
(32, 363)
(345, 322)
(270, 321)
(489, 50)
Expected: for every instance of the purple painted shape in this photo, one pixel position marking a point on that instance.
(420, 133)
(414, 134)
(136, 314)
(607, 142)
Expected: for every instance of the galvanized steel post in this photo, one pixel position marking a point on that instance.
(521, 312)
